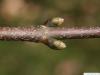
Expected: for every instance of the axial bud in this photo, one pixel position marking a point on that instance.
(54, 44)
(57, 21)
(59, 44)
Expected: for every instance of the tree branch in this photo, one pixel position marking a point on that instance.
(42, 33)
(34, 33)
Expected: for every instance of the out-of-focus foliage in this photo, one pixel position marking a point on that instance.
(28, 58)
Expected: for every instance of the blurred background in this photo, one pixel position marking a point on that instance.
(29, 58)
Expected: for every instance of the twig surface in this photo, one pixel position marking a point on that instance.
(35, 33)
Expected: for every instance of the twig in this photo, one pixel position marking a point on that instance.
(76, 33)
(34, 33)
(41, 34)
(48, 33)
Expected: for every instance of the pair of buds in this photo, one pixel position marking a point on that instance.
(51, 42)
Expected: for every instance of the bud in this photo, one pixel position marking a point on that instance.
(57, 21)
(55, 44)
(59, 44)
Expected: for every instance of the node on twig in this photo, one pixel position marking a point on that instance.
(53, 43)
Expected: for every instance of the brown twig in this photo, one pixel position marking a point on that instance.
(41, 34)
(76, 33)
(34, 33)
